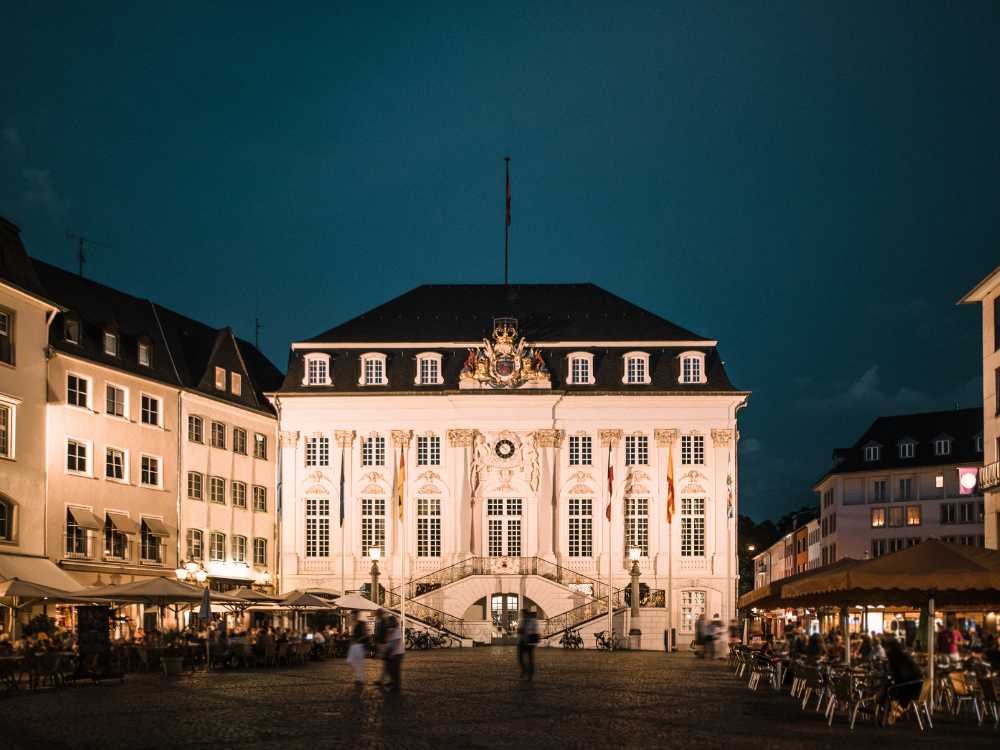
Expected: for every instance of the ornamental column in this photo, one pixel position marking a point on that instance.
(610, 438)
(461, 468)
(665, 439)
(345, 441)
(291, 535)
(723, 443)
(400, 443)
(548, 442)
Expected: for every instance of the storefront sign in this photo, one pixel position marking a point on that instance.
(989, 476)
(967, 479)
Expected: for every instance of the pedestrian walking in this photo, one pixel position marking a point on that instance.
(381, 628)
(528, 636)
(357, 650)
(395, 649)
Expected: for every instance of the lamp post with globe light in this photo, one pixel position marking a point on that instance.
(634, 633)
(375, 554)
(191, 572)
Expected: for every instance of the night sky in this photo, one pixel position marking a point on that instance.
(813, 184)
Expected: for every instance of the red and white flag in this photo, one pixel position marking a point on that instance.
(611, 484)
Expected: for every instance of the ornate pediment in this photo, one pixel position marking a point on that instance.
(504, 364)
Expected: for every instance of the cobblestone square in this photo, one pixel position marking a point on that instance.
(463, 698)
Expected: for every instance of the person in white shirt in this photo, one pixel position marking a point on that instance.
(395, 648)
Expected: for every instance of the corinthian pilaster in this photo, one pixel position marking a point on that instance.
(461, 440)
(288, 438)
(548, 442)
(344, 438)
(401, 438)
(665, 437)
(610, 437)
(721, 438)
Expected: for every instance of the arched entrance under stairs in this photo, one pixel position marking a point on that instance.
(503, 610)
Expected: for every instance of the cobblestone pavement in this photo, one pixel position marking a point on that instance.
(459, 698)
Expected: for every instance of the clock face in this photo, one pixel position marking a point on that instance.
(504, 448)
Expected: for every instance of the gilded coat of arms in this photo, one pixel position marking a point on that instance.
(502, 363)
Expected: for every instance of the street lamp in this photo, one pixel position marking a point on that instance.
(634, 633)
(751, 547)
(375, 554)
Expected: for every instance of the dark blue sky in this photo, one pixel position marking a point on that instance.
(814, 184)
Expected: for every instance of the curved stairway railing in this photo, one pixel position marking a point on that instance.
(427, 615)
(578, 616)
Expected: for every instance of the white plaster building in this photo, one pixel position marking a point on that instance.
(505, 405)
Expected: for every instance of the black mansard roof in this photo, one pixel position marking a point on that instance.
(185, 352)
(16, 269)
(558, 318)
(961, 426)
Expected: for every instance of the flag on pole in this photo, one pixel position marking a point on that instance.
(401, 481)
(670, 482)
(507, 200)
(611, 484)
(342, 450)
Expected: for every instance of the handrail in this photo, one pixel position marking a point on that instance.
(585, 612)
(427, 615)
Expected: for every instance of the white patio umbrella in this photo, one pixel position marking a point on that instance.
(356, 602)
(18, 591)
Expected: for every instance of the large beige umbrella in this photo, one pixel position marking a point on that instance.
(18, 591)
(770, 594)
(356, 602)
(301, 601)
(159, 592)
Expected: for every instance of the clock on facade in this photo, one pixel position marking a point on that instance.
(504, 448)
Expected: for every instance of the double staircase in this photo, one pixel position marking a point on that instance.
(595, 591)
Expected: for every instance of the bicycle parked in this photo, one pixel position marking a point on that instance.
(421, 640)
(614, 642)
(571, 639)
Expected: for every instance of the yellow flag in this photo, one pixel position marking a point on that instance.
(401, 481)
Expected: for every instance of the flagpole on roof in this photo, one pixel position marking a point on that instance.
(610, 516)
(343, 590)
(506, 222)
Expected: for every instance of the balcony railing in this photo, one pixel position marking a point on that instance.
(79, 545)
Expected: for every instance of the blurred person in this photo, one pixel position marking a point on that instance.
(395, 649)
(528, 636)
(907, 679)
(381, 627)
(718, 633)
(357, 650)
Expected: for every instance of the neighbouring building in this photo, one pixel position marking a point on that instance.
(901, 483)
(987, 294)
(494, 412)
(796, 552)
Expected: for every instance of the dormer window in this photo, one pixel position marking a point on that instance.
(692, 368)
(372, 369)
(873, 452)
(71, 330)
(581, 368)
(317, 369)
(428, 369)
(636, 368)
(978, 440)
(907, 449)
(236, 384)
(110, 343)
(220, 378)
(145, 354)
(942, 446)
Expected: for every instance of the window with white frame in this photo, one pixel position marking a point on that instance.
(196, 481)
(236, 388)
(111, 343)
(581, 368)
(373, 451)
(942, 447)
(116, 401)
(218, 435)
(318, 451)
(428, 450)
(114, 464)
(636, 368)
(637, 524)
(220, 378)
(581, 450)
(428, 527)
(317, 527)
(907, 449)
(78, 391)
(692, 527)
(77, 538)
(149, 471)
(196, 429)
(260, 446)
(217, 546)
(428, 369)
(636, 450)
(692, 607)
(6, 430)
(581, 527)
(150, 411)
(145, 354)
(504, 526)
(260, 498)
(194, 540)
(372, 369)
(217, 490)
(239, 549)
(239, 441)
(76, 456)
(317, 369)
(692, 450)
(239, 490)
(260, 551)
(692, 368)
(872, 453)
(372, 524)
(115, 541)
(979, 438)
(7, 337)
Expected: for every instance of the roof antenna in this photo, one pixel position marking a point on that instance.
(506, 225)
(256, 323)
(81, 256)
